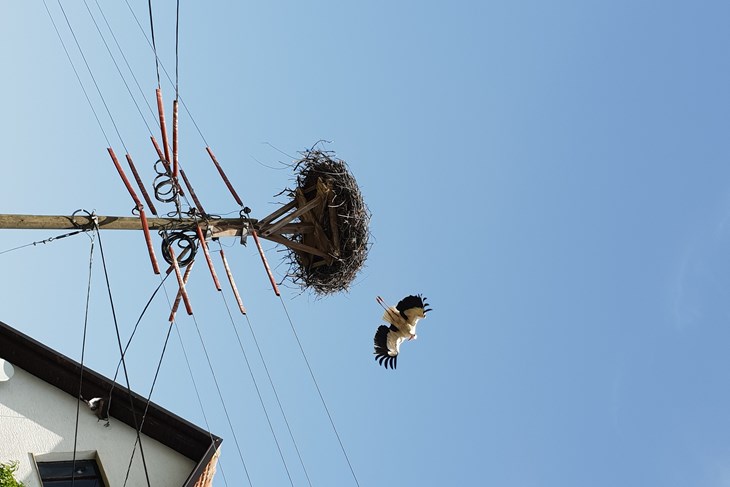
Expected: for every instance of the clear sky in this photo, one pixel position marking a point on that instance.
(553, 176)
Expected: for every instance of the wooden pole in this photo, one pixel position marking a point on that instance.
(221, 227)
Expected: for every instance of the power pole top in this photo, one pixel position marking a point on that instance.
(218, 227)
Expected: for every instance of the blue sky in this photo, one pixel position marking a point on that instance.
(553, 176)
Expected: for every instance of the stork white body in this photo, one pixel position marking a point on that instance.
(403, 319)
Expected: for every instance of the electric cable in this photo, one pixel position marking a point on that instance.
(149, 399)
(78, 77)
(116, 65)
(321, 397)
(121, 352)
(223, 403)
(45, 241)
(278, 401)
(129, 67)
(131, 337)
(154, 45)
(258, 391)
(88, 67)
(83, 352)
(197, 392)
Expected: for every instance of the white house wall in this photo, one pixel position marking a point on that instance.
(37, 419)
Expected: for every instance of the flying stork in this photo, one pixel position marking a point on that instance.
(403, 318)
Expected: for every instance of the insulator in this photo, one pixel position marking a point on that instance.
(186, 247)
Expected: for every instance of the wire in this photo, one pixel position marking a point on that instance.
(195, 387)
(276, 395)
(116, 65)
(177, 49)
(48, 240)
(141, 91)
(258, 392)
(271, 382)
(149, 398)
(81, 51)
(154, 46)
(83, 352)
(314, 379)
(223, 403)
(121, 352)
(78, 77)
(131, 337)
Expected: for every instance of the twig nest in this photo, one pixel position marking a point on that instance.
(340, 221)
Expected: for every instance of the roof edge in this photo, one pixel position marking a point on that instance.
(63, 373)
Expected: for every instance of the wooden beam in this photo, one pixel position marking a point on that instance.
(296, 245)
(276, 214)
(302, 210)
(218, 227)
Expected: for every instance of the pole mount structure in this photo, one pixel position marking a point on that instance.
(213, 228)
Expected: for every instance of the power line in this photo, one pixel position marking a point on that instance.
(278, 401)
(121, 51)
(45, 241)
(154, 45)
(83, 352)
(81, 51)
(195, 387)
(316, 385)
(116, 65)
(177, 49)
(131, 337)
(121, 352)
(78, 77)
(223, 403)
(258, 391)
(149, 398)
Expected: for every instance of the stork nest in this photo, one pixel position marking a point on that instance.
(334, 274)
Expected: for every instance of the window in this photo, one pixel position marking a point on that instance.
(85, 473)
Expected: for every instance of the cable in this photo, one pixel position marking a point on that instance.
(129, 341)
(177, 49)
(334, 428)
(223, 403)
(141, 91)
(271, 382)
(78, 77)
(116, 65)
(83, 352)
(154, 46)
(258, 392)
(81, 51)
(121, 352)
(48, 240)
(281, 408)
(197, 393)
(149, 399)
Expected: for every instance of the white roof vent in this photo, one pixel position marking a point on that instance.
(6, 370)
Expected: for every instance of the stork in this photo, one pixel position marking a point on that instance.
(403, 318)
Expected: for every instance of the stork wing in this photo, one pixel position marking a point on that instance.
(387, 345)
(413, 306)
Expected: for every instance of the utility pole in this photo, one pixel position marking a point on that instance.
(214, 228)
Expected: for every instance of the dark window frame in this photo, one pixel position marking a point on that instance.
(61, 473)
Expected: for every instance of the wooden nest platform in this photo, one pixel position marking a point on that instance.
(325, 226)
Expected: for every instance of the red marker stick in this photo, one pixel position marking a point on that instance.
(140, 208)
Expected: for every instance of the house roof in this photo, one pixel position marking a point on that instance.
(160, 424)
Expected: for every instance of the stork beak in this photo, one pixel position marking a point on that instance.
(412, 337)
